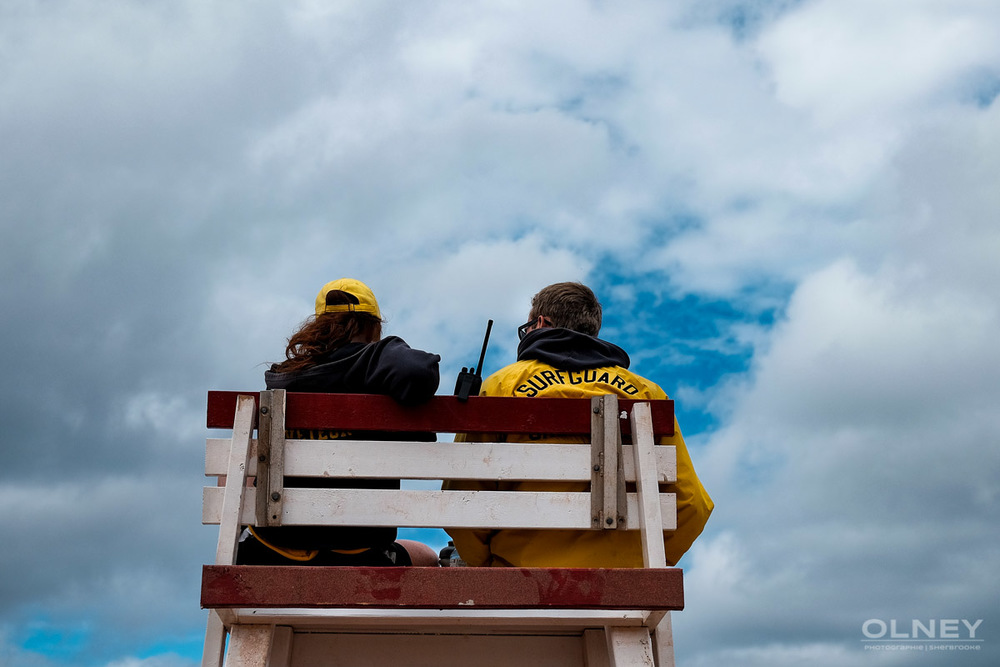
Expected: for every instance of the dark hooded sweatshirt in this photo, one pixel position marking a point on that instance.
(389, 367)
(570, 350)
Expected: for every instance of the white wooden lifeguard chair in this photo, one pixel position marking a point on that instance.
(430, 616)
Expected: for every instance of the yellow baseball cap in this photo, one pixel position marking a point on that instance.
(366, 302)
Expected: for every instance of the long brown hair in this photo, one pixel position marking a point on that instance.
(321, 334)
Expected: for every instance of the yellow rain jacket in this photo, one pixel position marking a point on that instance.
(560, 363)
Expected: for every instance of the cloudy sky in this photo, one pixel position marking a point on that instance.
(788, 208)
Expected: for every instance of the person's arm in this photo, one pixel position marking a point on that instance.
(694, 505)
(473, 546)
(392, 367)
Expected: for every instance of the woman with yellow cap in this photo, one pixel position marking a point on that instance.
(341, 350)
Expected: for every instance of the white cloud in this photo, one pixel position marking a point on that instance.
(166, 660)
(181, 179)
(855, 465)
(845, 60)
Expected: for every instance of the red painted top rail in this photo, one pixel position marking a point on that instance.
(442, 414)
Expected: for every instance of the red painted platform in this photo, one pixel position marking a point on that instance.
(265, 586)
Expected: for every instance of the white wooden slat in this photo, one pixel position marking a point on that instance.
(595, 648)
(215, 641)
(436, 509)
(442, 620)
(438, 460)
(663, 642)
(281, 647)
(217, 457)
(250, 645)
(239, 452)
(630, 647)
(651, 516)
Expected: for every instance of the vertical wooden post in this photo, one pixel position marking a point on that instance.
(622, 516)
(597, 475)
(229, 522)
(595, 648)
(236, 480)
(281, 646)
(612, 460)
(663, 641)
(276, 471)
(630, 647)
(648, 487)
(651, 526)
(263, 458)
(250, 645)
(607, 478)
(215, 641)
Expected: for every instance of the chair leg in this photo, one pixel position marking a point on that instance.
(215, 641)
(663, 642)
(281, 646)
(630, 646)
(595, 648)
(249, 646)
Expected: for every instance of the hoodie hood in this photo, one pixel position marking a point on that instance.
(570, 350)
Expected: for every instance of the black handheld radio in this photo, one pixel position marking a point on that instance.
(468, 383)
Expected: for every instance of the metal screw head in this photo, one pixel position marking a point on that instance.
(609, 521)
(275, 496)
(597, 410)
(597, 468)
(263, 410)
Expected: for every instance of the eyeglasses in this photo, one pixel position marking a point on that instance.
(522, 330)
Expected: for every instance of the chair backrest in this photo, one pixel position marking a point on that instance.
(606, 464)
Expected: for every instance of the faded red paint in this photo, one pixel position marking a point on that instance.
(445, 588)
(442, 414)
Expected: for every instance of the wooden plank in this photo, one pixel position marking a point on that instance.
(444, 621)
(663, 641)
(232, 493)
(621, 503)
(651, 516)
(250, 645)
(281, 647)
(214, 649)
(630, 647)
(440, 588)
(442, 414)
(262, 455)
(436, 509)
(597, 462)
(438, 460)
(595, 648)
(276, 471)
(612, 442)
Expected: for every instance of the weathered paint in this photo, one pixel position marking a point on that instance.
(441, 588)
